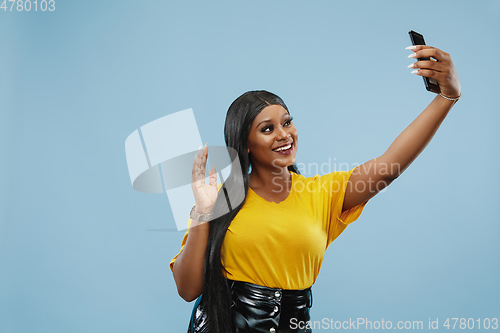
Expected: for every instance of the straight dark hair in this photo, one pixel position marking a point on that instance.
(216, 299)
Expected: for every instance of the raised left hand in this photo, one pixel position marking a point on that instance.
(439, 68)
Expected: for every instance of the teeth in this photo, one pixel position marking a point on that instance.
(284, 148)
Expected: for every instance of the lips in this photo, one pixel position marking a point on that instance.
(286, 149)
(284, 145)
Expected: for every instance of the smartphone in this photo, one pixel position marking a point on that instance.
(430, 84)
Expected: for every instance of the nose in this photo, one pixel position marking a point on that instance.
(282, 134)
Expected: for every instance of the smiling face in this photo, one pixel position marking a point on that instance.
(273, 139)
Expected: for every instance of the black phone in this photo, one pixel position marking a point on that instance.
(430, 84)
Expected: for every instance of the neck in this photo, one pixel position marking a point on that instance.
(276, 180)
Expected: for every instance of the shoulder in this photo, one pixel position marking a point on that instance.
(333, 181)
(321, 178)
(303, 184)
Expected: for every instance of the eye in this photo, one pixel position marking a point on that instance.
(267, 128)
(288, 122)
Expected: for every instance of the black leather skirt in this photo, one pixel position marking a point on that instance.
(259, 309)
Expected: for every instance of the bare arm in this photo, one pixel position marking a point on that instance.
(188, 267)
(379, 172)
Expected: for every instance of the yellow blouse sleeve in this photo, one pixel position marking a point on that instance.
(336, 187)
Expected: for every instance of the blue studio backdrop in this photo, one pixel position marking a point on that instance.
(82, 251)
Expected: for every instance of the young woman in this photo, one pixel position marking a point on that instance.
(251, 267)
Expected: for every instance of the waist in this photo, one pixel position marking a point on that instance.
(262, 293)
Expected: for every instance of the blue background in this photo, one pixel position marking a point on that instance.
(77, 253)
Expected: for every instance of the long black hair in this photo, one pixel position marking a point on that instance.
(216, 298)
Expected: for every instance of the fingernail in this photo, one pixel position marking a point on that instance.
(411, 65)
(414, 72)
(413, 55)
(206, 144)
(411, 48)
(199, 148)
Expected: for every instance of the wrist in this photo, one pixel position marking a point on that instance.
(202, 215)
(201, 210)
(449, 98)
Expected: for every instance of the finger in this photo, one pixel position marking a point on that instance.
(430, 74)
(202, 164)
(195, 173)
(428, 64)
(198, 172)
(429, 53)
(418, 47)
(203, 158)
(213, 176)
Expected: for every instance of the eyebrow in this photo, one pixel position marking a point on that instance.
(268, 120)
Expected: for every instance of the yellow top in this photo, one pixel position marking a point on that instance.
(282, 245)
